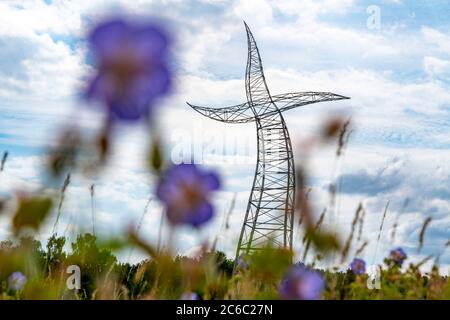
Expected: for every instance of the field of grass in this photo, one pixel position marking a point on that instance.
(45, 273)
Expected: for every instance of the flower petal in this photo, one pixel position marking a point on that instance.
(108, 38)
(151, 44)
(201, 215)
(211, 181)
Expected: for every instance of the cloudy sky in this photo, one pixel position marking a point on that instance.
(391, 57)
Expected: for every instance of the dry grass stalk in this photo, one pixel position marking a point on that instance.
(397, 218)
(316, 226)
(320, 220)
(346, 249)
(141, 221)
(230, 211)
(381, 229)
(308, 245)
(3, 162)
(302, 214)
(344, 136)
(61, 200)
(361, 249)
(332, 192)
(361, 224)
(425, 225)
(92, 191)
(382, 220)
(424, 260)
(136, 240)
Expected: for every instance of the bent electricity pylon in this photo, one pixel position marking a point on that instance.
(270, 210)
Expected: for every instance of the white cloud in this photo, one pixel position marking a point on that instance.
(21, 17)
(34, 65)
(436, 67)
(436, 38)
(309, 10)
(256, 12)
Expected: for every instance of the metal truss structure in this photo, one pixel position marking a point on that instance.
(270, 209)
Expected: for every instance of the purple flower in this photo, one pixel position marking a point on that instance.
(358, 266)
(16, 281)
(242, 263)
(132, 67)
(398, 256)
(185, 190)
(189, 296)
(301, 283)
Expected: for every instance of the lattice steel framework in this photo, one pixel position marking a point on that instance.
(269, 214)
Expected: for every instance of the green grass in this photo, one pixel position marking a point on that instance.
(210, 275)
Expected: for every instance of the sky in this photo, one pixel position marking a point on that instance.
(392, 57)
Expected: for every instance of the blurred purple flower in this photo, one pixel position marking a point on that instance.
(185, 191)
(358, 266)
(16, 281)
(398, 256)
(189, 296)
(302, 283)
(132, 67)
(242, 263)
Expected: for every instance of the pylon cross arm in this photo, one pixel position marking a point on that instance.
(242, 113)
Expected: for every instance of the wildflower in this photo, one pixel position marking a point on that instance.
(397, 256)
(16, 281)
(185, 191)
(132, 67)
(302, 283)
(189, 296)
(358, 266)
(242, 263)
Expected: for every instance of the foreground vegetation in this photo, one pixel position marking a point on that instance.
(45, 274)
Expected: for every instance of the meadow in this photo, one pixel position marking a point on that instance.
(29, 271)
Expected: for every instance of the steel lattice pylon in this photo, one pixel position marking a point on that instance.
(269, 214)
